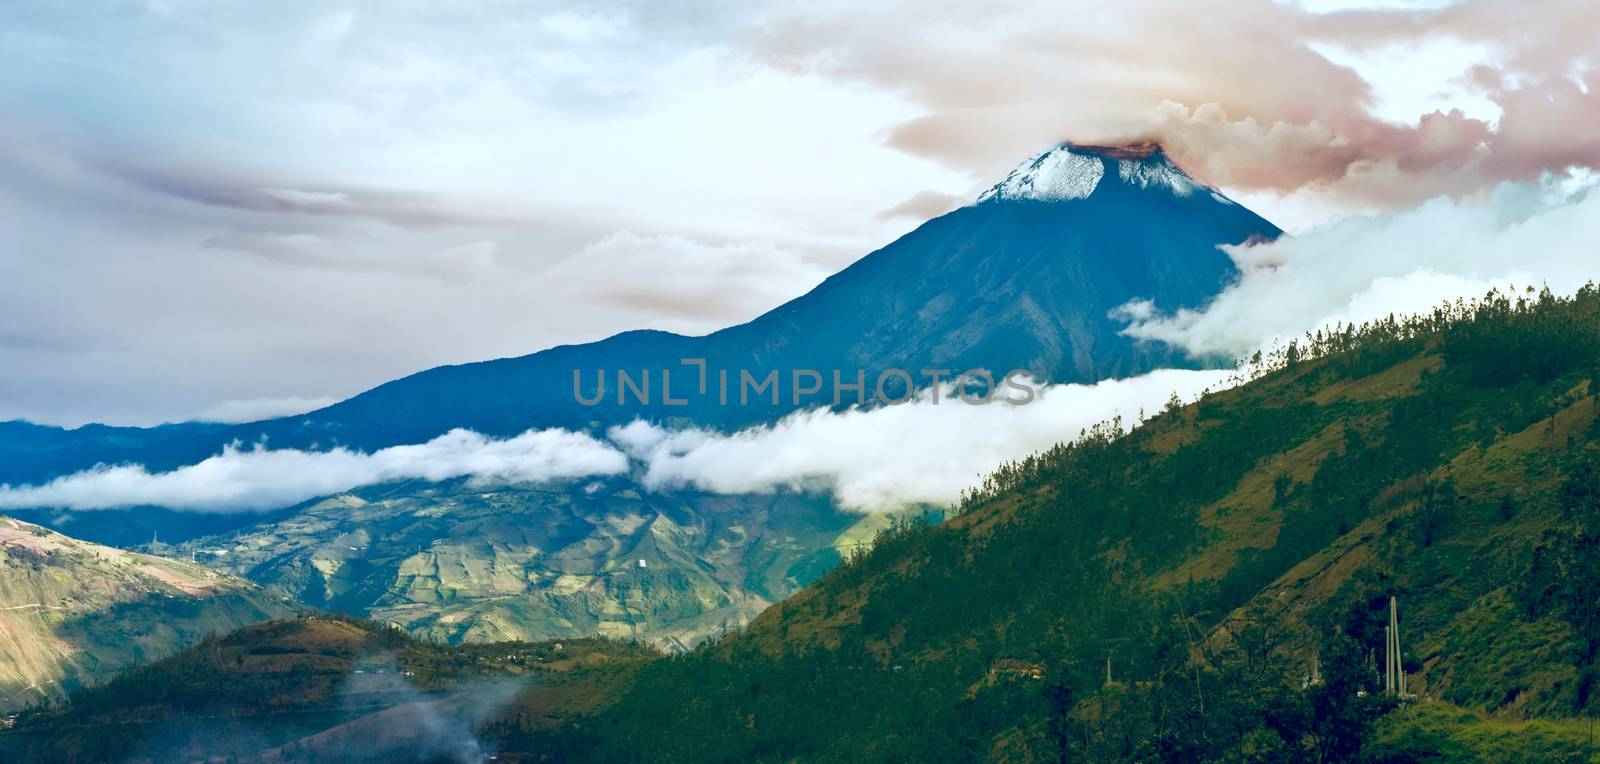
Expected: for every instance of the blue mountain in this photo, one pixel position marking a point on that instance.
(1025, 278)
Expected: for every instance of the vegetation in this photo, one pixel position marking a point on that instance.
(289, 687)
(460, 562)
(1174, 585)
(74, 613)
(1213, 586)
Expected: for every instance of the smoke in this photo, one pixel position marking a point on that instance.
(1367, 268)
(888, 457)
(926, 450)
(414, 726)
(1371, 110)
(378, 715)
(258, 478)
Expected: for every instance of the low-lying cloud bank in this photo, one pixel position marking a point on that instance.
(871, 460)
(888, 457)
(258, 479)
(1368, 268)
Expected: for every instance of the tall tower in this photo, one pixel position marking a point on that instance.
(1394, 672)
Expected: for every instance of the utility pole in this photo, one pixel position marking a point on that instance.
(1388, 661)
(1394, 671)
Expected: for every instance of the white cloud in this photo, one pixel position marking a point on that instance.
(873, 460)
(260, 479)
(256, 409)
(1406, 263)
(581, 28)
(888, 457)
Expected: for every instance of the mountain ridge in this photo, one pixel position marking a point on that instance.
(74, 613)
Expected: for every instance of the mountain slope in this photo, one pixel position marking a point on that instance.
(1024, 279)
(1162, 595)
(457, 563)
(320, 689)
(74, 613)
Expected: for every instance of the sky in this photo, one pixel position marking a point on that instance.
(233, 210)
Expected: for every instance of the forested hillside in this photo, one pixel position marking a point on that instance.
(322, 688)
(1169, 594)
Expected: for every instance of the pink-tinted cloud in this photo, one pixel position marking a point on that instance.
(1242, 93)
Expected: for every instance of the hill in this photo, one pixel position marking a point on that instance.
(74, 613)
(321, 688)
(1213, 586)
(454, 562)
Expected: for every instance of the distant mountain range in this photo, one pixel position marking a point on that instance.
(1023, 279)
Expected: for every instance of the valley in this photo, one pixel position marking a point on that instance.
(454, 563)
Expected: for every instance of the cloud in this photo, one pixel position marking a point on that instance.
(582, 28)
(315, 202)
(686, 284)
(1378, 109)
(878, 459)
(457, 264)
(888, 457)
(257, 409)
(923, 205)
(1368, 268)
(394, 206)
(258, 478)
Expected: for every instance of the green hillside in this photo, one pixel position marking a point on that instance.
(1162, 595)
(322, 688)
(74, 613)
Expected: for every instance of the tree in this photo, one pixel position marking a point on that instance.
(1062, 729)
(1344, 706)
(1566, 567)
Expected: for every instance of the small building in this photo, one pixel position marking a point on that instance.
(1013, 668)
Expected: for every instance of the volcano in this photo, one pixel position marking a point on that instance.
(1025, 278)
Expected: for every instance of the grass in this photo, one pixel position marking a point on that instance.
(1446, 733)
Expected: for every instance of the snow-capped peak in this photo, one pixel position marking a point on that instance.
(1070, 171)
(1055, 175)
